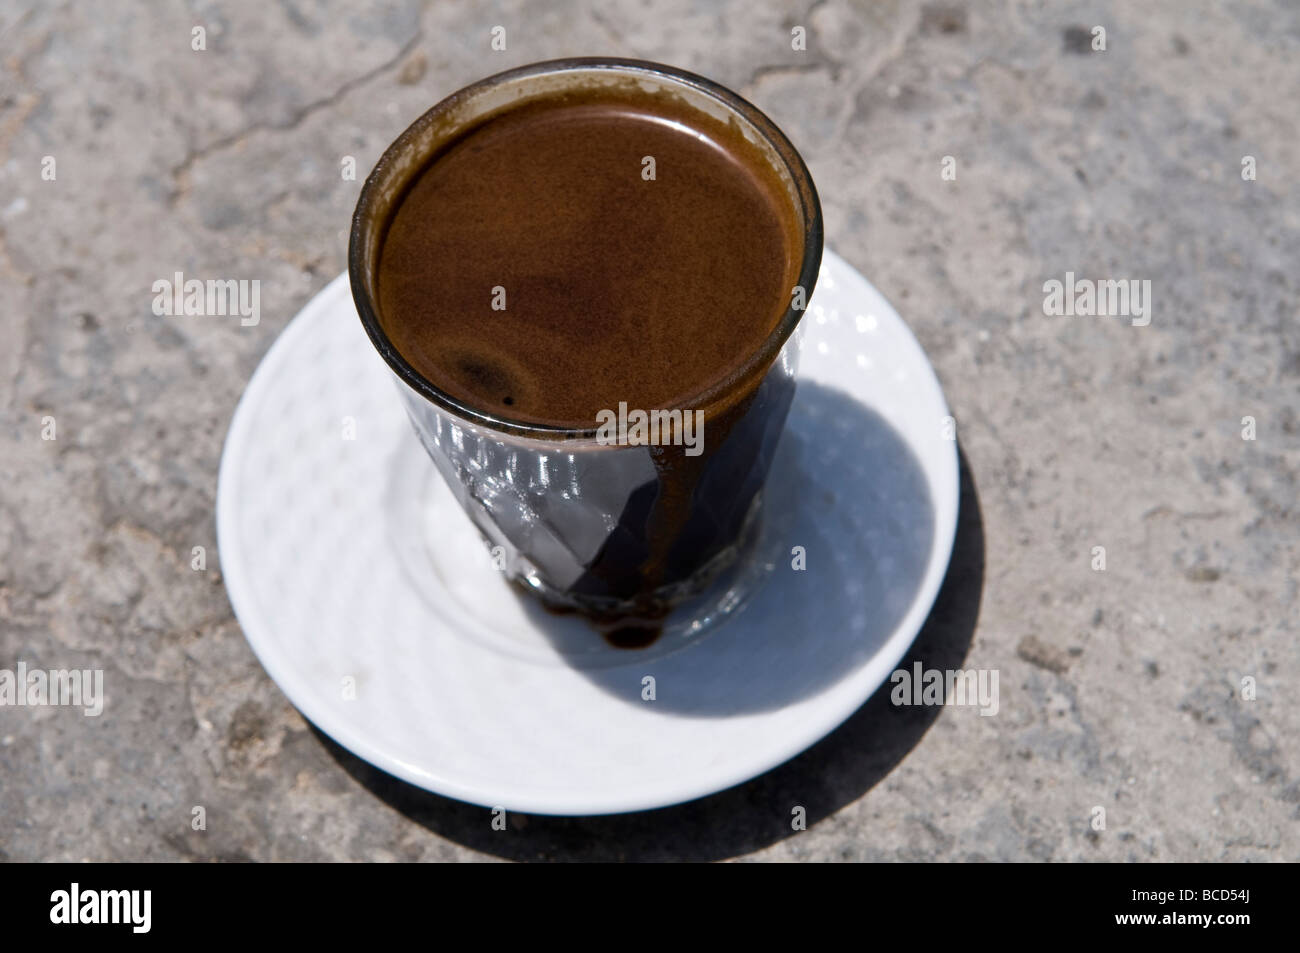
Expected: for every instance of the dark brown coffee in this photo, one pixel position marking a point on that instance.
(581, 251)
(592, 249)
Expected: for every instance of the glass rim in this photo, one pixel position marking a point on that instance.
(808, 213)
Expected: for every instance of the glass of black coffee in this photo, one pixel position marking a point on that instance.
(586, 275)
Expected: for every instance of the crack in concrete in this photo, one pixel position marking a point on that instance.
(17, 64)
(180, 173)
(783, 69)
(837, 69)
(1164, 509)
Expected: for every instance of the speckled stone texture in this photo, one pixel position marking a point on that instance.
(1120, 689)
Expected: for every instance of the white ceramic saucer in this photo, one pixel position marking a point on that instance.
(370, 600)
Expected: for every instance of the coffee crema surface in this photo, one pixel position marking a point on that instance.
(617, 286)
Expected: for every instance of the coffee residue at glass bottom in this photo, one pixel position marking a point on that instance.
(621, 632)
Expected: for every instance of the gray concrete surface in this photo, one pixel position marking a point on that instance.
(1120, 689)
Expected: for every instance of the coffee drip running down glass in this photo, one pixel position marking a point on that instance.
(621, 533)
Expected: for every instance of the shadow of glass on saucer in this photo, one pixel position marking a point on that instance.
(841, 551)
